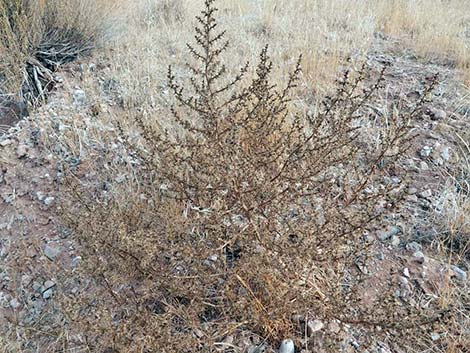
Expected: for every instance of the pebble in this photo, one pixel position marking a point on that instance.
(395, 240)
(21, 151)
(314, 326)
(460, 274)
(5, 142)
(287, 346)
(49, 200)
(437, 114)
(425, 151)
(426, 194)
(389, 232)
(79, 97)
(423, 166)
(413, 246)
(47, 293)
(418, 256)
(445, 154)
(14, 303)
(435, 336)
(406, 272)
(49, 284)
(51, 252)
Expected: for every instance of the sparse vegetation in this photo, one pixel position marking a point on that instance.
(238, 197)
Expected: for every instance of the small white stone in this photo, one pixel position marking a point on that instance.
(51, 252)
(406, 272)
(6, 142)
(21, 151)
(419, 257)
(49, 200)
(14, 303)
(287, 346)
(314, 326)
(460, 274)
(47, 294)
(435, 336)
(426, 194)
(425, 151)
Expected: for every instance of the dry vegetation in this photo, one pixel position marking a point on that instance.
(223, 197)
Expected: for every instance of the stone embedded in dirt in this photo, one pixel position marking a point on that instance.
(426, 194)
(437, 114)
(445, 154)
(79, 97)
(419, 257)
(5, 142)
(425, 152)
(406, 272)
(314, 326)
(435, 336)
(389, 232)
(395, 241)
(49, 284)
(413, 246)
(423, 166)
(14, 304)
(51, 252)
(460, 274)
(22, 151)
(287, 346)
(49, 200)
(47, 293)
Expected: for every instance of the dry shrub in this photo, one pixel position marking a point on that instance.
(38, 36)
(243, 214)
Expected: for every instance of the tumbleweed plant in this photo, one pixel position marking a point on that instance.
(243, 211)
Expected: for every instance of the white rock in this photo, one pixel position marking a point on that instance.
(49, 200)
(21, 151)
(406, 272)
(47, 294)
(460, 274)
(445, 154)
(395, 241)
(5, 142)
(413, 246)
(426, 194)
(79, 97)
(287, 346)
(51, 252)
(435, 336)
(14, 303)
(418, 256)
(425, 151)
(49, 284)
(314, 326)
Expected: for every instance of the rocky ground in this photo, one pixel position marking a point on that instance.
(34, 247)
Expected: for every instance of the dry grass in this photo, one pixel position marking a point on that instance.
(38, 36)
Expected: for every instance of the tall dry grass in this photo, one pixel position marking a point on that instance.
(327, 32)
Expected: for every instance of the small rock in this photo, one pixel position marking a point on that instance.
(79, 97)
(418, 256)
(5, 142)
(47, 293)
(435, 336)
(40, 195)
(14, 304)
(460, 274)
(21, 151)
(413, 246)
(49, 200)
(314, 326)
(49, 284)
(426, 194)
(445, 154)
(213, 258)
(406, 272)
(51, 252)
(395, 240)
(287, 346)
(425, 151)
(389, 232)
(437, 114)
(37, 287)
(423, 166)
